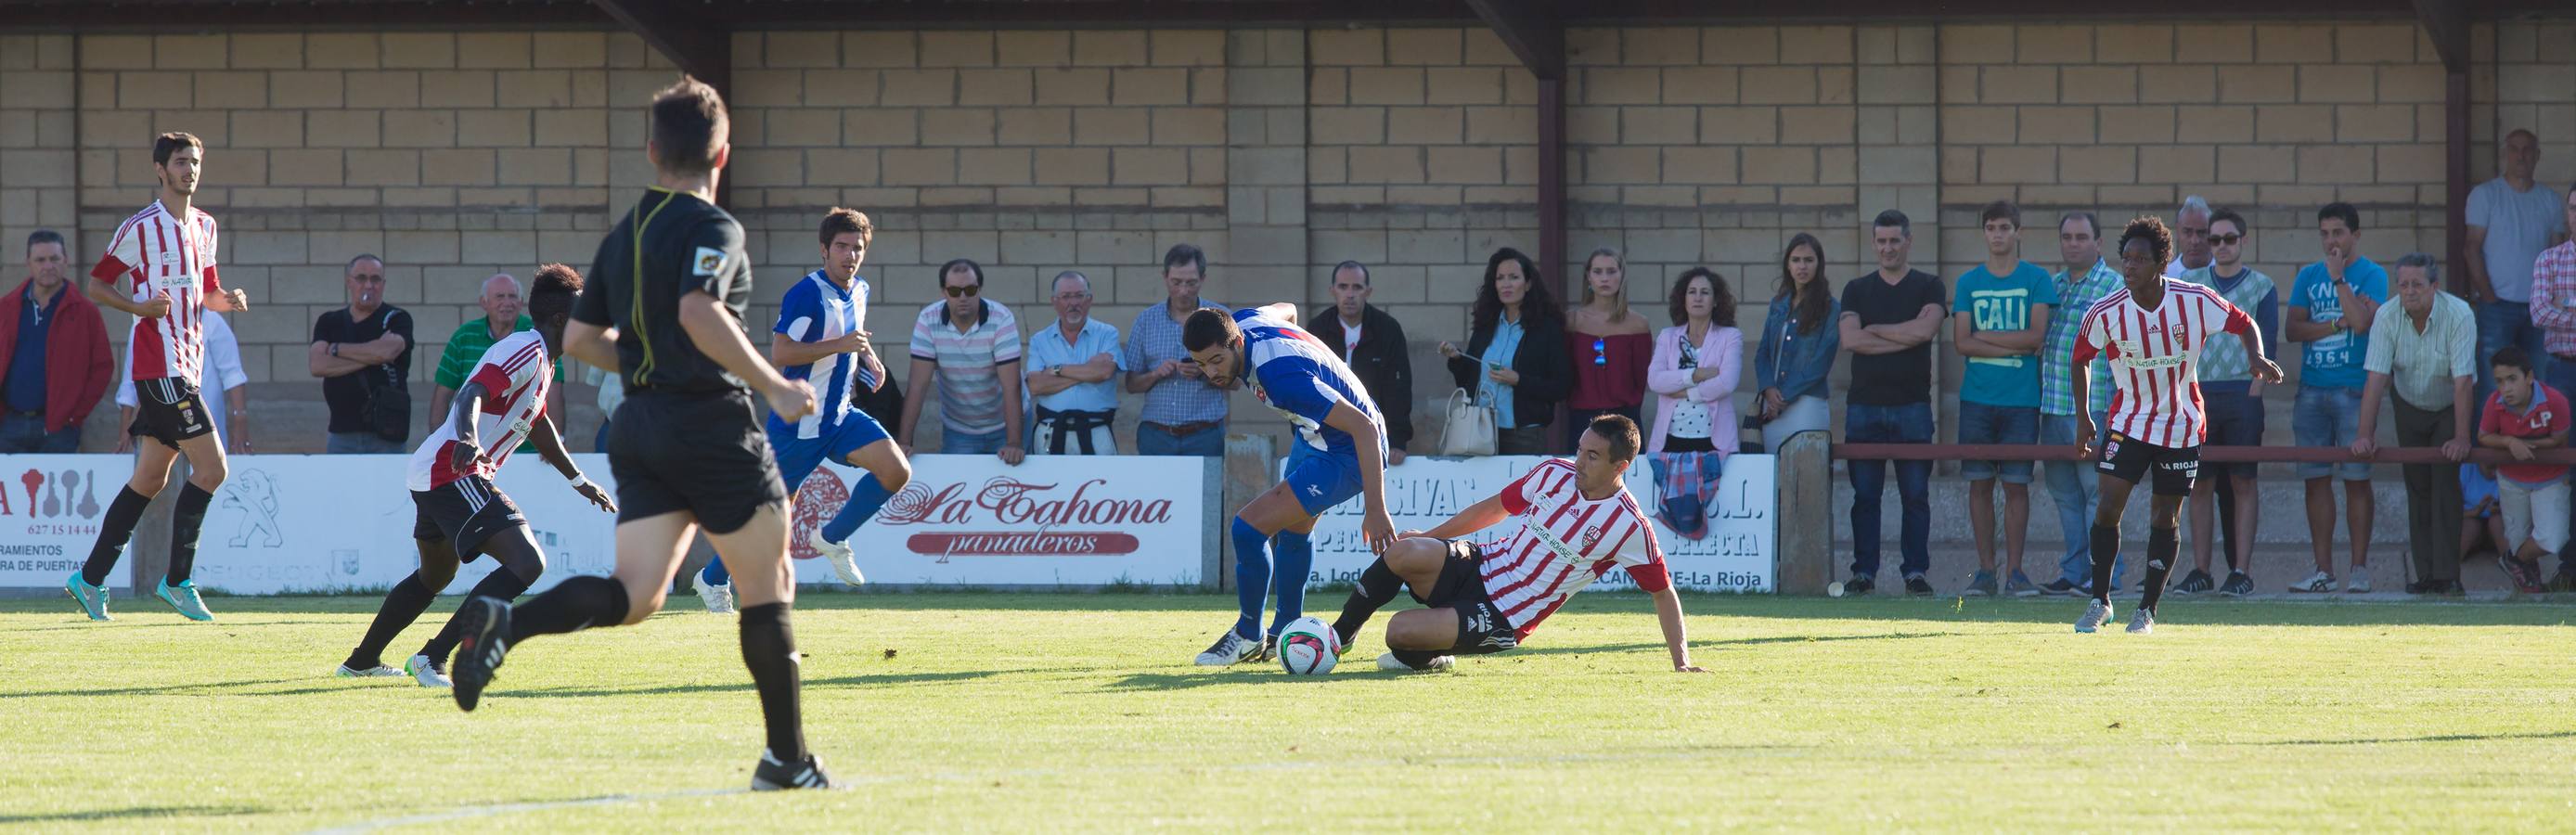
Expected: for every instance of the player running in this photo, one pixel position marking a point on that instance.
(1340, 451)
(1577, 520)
(161, 268)
(2152, 331)
(665, 311)
(821, 337)
(461, 514)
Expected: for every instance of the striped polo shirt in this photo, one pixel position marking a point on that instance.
(970, 374)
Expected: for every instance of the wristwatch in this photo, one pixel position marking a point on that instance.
(335, 349)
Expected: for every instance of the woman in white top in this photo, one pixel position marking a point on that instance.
(1693, 375)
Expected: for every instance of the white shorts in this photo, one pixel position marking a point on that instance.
(2531, 514)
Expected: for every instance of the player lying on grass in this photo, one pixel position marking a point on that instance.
(1340, 452)
(1577, 521)
(461, 513)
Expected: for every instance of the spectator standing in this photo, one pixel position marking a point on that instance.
(1693, 373)
(2191, 237)
(1889, 320)
(502, 305)
(54, 354)
(1514, 358)
(1072, 365)
(362, 352)
(2232, 400)
(1999, 320)
(2512, 219)
(1372, 343)
(2332, 307)
(970, 346)
(224, 378)
(2553, 308)
(2522, 416)
(1799, 339)
(2072, 486)
(1182, 414)
(2424, 350)
(1610, 347)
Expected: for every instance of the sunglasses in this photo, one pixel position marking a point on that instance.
(968, 290)
(2229, 240)
(1600, 352)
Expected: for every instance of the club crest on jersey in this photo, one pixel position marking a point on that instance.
(707, 260)
(1591, 537)
(170, 258)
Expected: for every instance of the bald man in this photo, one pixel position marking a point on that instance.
(502, 316)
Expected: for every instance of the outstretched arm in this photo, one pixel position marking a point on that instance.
(1668, 614)
(1476, 517)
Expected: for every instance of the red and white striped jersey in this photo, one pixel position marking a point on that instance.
(1565, 542)
(514, 373)
(154, 253)
(2155, 356)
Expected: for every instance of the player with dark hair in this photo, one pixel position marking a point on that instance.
(665, 310)
(461, 513)
(821, 337)
(2152, 331)
(1577, 522)
(160, 267)
(1339, 452)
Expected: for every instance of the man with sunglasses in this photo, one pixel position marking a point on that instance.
(970, 345)
(2232, 402)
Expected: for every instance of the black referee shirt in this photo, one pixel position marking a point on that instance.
(684, 244)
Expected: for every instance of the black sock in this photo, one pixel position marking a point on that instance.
(1375, 588)
(113, 531)
(403, 605)
(499, 585)
(769, 649)
(2106, 550)
(185, 518)
(1417, 658)
(573, 605)
(2164, 545)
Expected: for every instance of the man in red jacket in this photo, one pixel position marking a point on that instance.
(55, 362)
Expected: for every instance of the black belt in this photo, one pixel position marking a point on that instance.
(1180, 428)
(1074, 424)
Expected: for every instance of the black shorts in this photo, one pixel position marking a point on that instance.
(2128, 459)
(701, 453)
(168, 410)
(465, 512)
(1481, 627)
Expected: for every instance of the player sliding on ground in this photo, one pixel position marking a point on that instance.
(461, 513)
(1576, 522)
(1340, 451)
(665, 310)
(821, 337)
(2152, 331)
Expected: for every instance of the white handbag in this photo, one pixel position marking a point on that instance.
(1468, 428)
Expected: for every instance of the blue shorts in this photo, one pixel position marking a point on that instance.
(1983, 424)
(797, 457)
(1321, 479)
(2328, 417)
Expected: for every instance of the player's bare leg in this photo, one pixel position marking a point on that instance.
(648, 554)
(403, 605)
(887, 473)
(522, 562)
(1419, 639)
(1412, 563)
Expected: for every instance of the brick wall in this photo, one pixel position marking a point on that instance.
(1279, 151)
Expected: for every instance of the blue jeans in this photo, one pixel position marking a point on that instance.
(2078, 495)
(1983, 424)
(26, 433)
(2330, 417)
(2505, 323)
(1204, 443)
(1907, 424)
(953, 442)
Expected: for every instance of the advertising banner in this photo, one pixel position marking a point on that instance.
(1052, 520)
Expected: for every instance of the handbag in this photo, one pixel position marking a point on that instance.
(1468, 427)
(388, 409)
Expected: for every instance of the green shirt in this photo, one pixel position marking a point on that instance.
(466, 348)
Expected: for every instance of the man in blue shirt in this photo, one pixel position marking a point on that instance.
(1071, 366)
(1999, 319)
(2331, 307)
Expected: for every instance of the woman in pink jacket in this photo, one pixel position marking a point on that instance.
(1693, 374)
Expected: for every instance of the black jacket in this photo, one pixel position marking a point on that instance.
(1547, 374)
(1382, 361)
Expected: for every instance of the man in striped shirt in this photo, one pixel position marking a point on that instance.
(160, 267)
(970, 346)
(1577, 521)
(2153, 331)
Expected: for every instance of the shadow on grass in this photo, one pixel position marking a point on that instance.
(870, 680)
(134, 812)
(174, 623)
(2435, 738)
(201, 688)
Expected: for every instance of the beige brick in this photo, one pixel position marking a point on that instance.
(2375, 123)
(994, 87)
(993, 166)
(1595, 85)
(1110, 48)
(151, 90)
(1347, 125)
(785, 50)
(1779, 85)
(2336, 164)
(1149, 166)
(1899, 165)
(2257, 164)
(1347, 47)
(2293, 44)
(1112, 126)
(1502, 125)
(1592, 125)
(342, 50)
(2153, 123)
(881, 127)
(2057, 44)
(2258, 85)
(960, 126)
(559, 50)
(492, 128)
(304, 167)
(2178, 83)
(2097, 85)
(1379, 165)
(383, 89)
(1658, 125)
(1472, 166)
(1142, 87)
(1816, 125)
(1779, 165)
(2411, 83)
(1071, 166)
(572, 128)
(880, 49)
(2411, 163)
(383, 167)
(343, 129)
(1959, 84)
(1698, 165)
(2294, 123)
(1424, 46)
(1834, 85)
(259, 129)
(920, 88)
(2216, 123)
(2018, 85)
(2335, 83)
(187, 52)
(1025, 48)
(1976, 43)
(1896, 85)
(464, 88)
(1189, 126)
(2213, 44)
(1739, 125)
(1607, 166)
(2184, 164)
(1386, 85)
(2017, 164)
(751, 168)
(920, 166)
(1699, 85)
(420, 128)
(2134, 43)
(942, 48)
(2372, 43)
(1658, 46)
(2056, 125)
(1816, 44)
(117, 52)
(796, 127)
(1463, 85)
(535, 88)
(841, 88)
(1980, 125)
(418, 50)
(250, 50)
(1740, 45)
(1034, 126)
(1075, 87)
(493, 50)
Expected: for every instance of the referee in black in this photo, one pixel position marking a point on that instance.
(665, 309)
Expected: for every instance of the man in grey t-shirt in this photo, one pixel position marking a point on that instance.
(2512, 219)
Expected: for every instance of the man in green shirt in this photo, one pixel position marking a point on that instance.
(502, 316)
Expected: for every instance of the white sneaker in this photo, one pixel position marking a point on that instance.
(426, 673)
(844, 563)
(719, 599)
(377, 671)
(1441, 664)
(2096, 613)
(1229, 649)
(2142, 623)
(2360, 582)
(2318, 583)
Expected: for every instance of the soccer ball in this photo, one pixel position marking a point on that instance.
(1309, 647)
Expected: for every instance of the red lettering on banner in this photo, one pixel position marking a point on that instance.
(1010, 501)
(1019, 544)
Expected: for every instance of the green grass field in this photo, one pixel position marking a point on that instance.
(972, 712)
